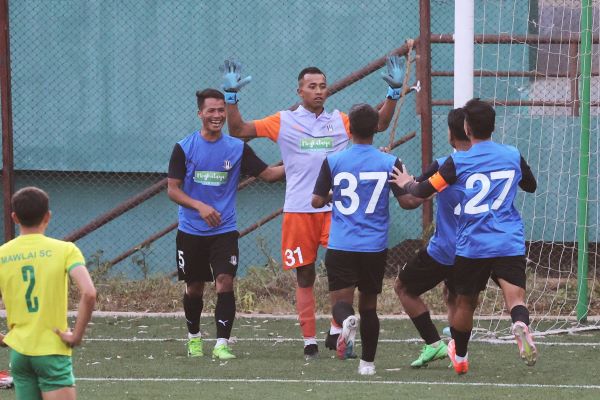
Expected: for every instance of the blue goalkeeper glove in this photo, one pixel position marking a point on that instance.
(232, 80)
(394, 76)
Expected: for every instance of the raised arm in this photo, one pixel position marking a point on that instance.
(386, 113)
(237, 126)
(232, 83)
(394, 76)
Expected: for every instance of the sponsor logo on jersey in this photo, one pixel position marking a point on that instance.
(210, 178)
(226, 165)
(330, 127)
(316, 144)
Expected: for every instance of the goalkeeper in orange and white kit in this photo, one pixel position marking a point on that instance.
(34, 282)
(305, 137)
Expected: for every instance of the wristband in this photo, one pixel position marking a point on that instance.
(231, 98)
(393, 94)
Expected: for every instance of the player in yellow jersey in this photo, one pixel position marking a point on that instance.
(34, 271)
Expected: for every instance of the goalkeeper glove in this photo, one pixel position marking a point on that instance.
(394, 76)
(232, 80)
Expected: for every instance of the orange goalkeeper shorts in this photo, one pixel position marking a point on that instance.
(302, 233)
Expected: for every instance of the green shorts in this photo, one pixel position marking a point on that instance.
(33, 375)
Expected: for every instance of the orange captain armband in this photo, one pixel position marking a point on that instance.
(438, 182)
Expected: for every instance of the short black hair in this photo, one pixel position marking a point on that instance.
(480, 117)
(456, 124)
(30, 204)
(310, 70)
(363, 120)
(209, 93)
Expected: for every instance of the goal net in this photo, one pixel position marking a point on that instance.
(527, 63)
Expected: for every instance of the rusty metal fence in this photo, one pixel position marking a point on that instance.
(102, 90)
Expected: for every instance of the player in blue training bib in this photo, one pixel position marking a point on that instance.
(204, 172)
(433, 264)
(356, 182)
(490, 239)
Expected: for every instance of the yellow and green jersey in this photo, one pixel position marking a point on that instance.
(34, 283)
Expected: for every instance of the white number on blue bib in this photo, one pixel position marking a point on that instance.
(473, 206)
(350, 190)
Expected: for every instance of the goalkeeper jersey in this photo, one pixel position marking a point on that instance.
(34, 282)
(304, 140)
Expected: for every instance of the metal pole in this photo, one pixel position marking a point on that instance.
(514, 39)
(528, 74)
(584, 161)
(120, 209)
(424, 103)
(517, 103)
(7, 128)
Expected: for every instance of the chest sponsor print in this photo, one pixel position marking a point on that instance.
(210, 178)
(316, 144)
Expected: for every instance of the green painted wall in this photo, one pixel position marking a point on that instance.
(108, 86)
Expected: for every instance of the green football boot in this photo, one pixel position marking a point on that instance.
(194, 347)
(223, 352)
(527, 348)
(430, 353)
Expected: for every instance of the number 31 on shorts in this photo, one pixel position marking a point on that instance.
(293, 257)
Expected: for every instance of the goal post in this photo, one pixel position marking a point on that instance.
(584, 161)
(464, 51)
(534, 62)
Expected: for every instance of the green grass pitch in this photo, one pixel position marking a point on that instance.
(145, 358)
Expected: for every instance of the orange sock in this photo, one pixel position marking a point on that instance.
(305, 305)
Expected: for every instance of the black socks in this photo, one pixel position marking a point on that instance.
(224, 314)
(369, 334)
(192, 307)
(426, 328)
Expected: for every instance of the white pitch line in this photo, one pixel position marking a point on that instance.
(325, 381)
(281, 340)
(442, 317)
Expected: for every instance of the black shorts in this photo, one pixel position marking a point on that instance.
(203, 258)
(471, 274)
(422, 273)
(355, 269)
